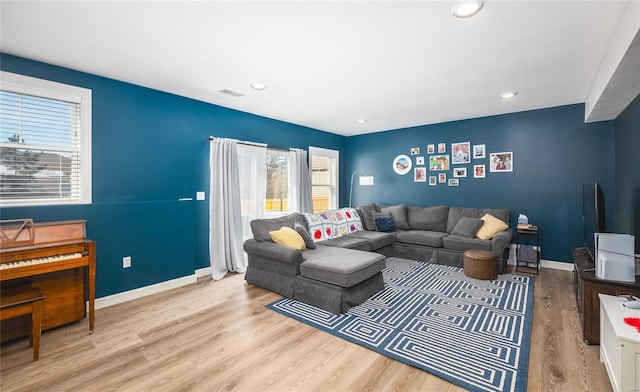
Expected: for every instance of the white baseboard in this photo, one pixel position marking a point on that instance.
(559, 265)
(125, 296)
(202, 272)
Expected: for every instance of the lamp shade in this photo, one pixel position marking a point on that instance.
(366, 180)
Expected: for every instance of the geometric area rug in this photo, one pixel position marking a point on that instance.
(473, 333)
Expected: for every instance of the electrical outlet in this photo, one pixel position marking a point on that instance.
(126, 262)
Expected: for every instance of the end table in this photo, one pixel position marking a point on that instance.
(527, 237)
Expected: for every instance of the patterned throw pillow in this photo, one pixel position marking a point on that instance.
(385, 225)
(308, 241)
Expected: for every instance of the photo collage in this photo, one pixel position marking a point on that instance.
(445, 167)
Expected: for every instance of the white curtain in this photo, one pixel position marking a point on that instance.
(252, 170)
(225, 227)
(299, 182)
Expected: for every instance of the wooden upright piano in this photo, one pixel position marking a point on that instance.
(55, 257)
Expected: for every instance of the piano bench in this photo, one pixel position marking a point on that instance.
(22, 302)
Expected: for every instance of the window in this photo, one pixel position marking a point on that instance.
(323, 164)
(277, 201)
(45, 142)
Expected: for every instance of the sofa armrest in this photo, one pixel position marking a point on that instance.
(500, 241)
(273, 251)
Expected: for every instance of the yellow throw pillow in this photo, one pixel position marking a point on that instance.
(288, 237)
(491, 227)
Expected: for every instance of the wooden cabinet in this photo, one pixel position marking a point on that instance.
(587, 287)
(619, 344)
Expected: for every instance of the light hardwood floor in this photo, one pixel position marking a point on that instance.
(218, 336)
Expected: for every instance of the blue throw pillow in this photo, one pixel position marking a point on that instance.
(385, 225)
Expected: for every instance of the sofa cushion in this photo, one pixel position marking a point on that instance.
(455, 213)
(347, 242)
(288, 237)
(342, 267)
(367, 216)
(467, 227)
(491, 227)
(458, 242)
(428, 218)
(420, 237)
(304, 233)
(262, 227)
(385, 225)
(399, 215)
(376, 239)
(377, 215)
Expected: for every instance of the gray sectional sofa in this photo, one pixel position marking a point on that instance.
(344, 271)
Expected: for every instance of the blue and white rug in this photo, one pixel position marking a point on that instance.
(472, 333)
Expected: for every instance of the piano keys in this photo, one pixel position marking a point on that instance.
(57, 258)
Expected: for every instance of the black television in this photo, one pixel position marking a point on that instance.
(593, 218)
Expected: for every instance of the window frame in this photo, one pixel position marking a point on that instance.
(328, 153)
(26, 85)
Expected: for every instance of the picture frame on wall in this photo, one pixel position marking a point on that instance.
(460, 153)
(402, 164)
(420, 174)
(501, 162)
(442, 178)
(442, 147)
(438, 162)
(460, 172)
(415, 151)
(454, 182)
(479, 171)
(432, 180)
(479, 151)
(419, 160)
(431, 148)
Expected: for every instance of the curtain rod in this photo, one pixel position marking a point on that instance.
(243, 142)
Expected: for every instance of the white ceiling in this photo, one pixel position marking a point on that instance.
(327, 64)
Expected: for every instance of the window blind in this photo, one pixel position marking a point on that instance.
(40, 149)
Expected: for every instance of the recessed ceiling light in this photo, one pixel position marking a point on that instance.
(361, 121)
(508, 94)
(466, 9)
(259, 86)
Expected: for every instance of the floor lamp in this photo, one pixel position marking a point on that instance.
(365, 180)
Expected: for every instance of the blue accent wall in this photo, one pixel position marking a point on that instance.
(554, 153)
(150, 148)
(627, 200)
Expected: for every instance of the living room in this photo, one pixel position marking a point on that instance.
(151, 148)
